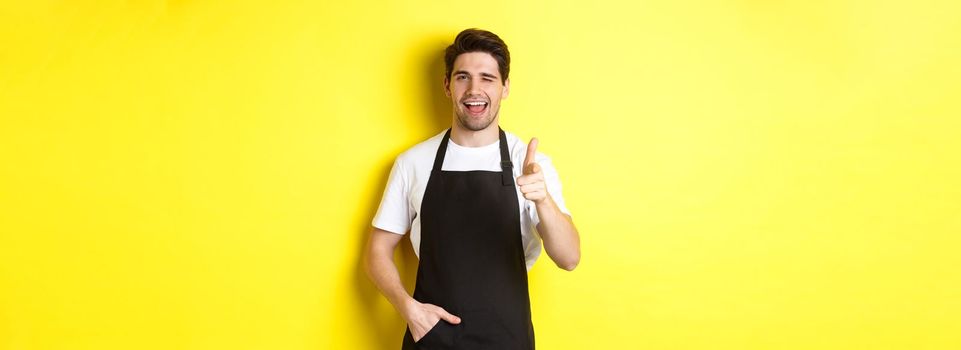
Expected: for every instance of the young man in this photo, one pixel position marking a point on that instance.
(477, 201)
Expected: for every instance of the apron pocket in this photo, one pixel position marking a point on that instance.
(438, 337)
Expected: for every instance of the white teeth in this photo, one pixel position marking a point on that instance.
(475, 103)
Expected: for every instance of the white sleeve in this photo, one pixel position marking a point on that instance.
(393, 214)
(553, 183)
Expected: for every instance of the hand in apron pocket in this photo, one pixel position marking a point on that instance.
(438, 337)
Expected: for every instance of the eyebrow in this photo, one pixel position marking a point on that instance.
(487, 75)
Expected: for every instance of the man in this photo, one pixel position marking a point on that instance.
(477, 201)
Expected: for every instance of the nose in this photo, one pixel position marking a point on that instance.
(473, 87)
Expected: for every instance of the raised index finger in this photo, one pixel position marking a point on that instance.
(531, 150)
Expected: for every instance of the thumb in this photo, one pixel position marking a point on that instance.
(448, 317)
(531, 152)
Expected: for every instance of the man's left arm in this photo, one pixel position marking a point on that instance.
(561, 240)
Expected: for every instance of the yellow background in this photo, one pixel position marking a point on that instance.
(744, 174)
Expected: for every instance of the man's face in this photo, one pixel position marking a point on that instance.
(476, 90)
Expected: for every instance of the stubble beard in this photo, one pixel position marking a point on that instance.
(476, 125)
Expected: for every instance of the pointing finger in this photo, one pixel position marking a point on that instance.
(535, 168)
(531, 151)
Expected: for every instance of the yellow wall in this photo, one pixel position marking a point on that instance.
(744, 174)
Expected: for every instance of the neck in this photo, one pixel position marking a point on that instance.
(469, 138)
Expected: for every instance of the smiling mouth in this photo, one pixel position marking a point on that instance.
(475, 107)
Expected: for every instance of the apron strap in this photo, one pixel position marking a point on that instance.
(441, 152)
(507, 174)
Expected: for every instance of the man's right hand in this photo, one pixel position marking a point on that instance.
(421, 317)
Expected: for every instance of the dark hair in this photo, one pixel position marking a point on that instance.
(479, 40)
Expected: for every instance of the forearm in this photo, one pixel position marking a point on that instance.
(561, 240)
(383, 272)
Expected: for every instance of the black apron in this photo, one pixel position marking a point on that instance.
(472, 259)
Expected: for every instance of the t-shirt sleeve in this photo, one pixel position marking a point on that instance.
(394, 213)
(554, 188)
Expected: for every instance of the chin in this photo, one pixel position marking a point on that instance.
(472, 125)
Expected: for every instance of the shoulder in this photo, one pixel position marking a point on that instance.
(420, 153)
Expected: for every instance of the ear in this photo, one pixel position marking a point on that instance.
(507, 88)
(447, 86)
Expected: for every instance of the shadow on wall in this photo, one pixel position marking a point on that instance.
(385, 325)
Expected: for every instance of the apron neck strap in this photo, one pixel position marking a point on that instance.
(507, 174)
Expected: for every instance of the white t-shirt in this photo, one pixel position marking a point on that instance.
(400, 207)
